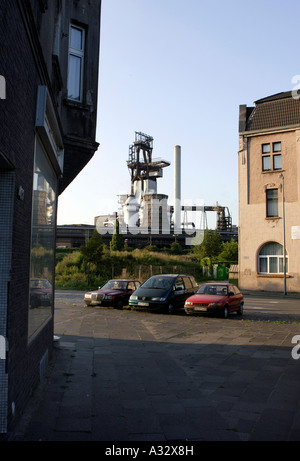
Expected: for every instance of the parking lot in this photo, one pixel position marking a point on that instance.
(121, 375)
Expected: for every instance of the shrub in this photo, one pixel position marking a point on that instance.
(74, 271)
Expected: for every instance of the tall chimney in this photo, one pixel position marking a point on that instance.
(177, 190)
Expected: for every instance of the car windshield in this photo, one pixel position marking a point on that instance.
(158, 282)
(115, 285)
(220, 290)
(40, 283)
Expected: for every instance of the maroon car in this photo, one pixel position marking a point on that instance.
(40, 293)
(222, 297)
(114, 293)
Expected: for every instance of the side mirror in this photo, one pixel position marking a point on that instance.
(230, 293)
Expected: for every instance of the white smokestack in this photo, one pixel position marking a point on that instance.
(177, 189)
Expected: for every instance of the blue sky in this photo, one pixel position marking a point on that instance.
(178, 71)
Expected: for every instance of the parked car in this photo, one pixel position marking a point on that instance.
(219, 298)
(115, 293)
(161, 292)
(40, 293)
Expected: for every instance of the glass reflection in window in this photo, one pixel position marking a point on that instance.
(76, 63)
(42, 241)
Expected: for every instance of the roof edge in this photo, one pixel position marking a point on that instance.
(275, 97)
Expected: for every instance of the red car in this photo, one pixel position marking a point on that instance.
(219, 297)
(114, 293)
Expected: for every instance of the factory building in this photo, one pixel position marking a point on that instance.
(145, 216)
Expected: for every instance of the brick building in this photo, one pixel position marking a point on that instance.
(269, 194)
(49, 56)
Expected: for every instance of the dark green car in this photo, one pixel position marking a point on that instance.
(163, 292)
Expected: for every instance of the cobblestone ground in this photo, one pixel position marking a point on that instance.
(122, 375)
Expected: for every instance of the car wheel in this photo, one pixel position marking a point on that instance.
(225, 312)
(241, 309)
(119, 304)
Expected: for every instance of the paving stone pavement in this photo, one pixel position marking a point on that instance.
(121, 375)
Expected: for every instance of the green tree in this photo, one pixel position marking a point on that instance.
(176, 248)
(211, 245)
(116, 243)
(93, 250)
(230, 251)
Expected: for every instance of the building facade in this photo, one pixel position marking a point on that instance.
(49, 56)
(269, 194)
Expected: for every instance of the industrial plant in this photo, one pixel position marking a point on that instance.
(145, 216)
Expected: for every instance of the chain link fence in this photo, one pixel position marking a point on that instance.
(143, 272)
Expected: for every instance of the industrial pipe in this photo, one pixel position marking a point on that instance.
(177, 189)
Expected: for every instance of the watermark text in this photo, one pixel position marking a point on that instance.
(155, 219)
(2, 348)
(296, 349)
(296, 87)
(2, 87)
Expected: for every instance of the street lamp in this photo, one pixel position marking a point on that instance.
(281, 176)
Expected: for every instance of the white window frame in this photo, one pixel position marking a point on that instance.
(279, 262)
(80, 54)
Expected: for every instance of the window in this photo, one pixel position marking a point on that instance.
(187, 282)
(272, 203)
(270, 259)
(277, 162)
(276, 146)
(266, 148)
(271, 160)
(42, 253)
(266, 162)
(179, 285)
(76, 63)
(235, 289)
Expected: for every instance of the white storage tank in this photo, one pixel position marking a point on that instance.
(131, 211)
